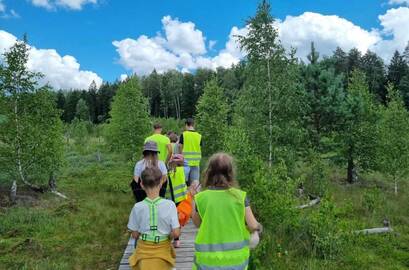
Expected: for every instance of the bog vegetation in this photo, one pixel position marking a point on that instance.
(333, 129)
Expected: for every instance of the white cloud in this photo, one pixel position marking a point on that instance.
(327, 32)
(69, 4)
(182, 47)
(145, 54)
(395, 23)
(183, 37)
(61, 72)
(175, 51)
(398, 2)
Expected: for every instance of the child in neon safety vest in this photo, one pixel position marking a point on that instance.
(224, 218)
(154, 222)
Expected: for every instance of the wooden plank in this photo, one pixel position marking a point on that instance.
(184, 254)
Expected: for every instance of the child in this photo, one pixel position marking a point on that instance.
(153, 222)
(222, 212)
(150, 159)
(177, 184)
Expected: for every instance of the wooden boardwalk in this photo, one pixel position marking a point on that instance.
(184, 254)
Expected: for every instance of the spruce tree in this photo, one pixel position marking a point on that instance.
(356, 133)
(397, 69)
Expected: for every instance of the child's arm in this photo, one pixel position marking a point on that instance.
(195, 215)
(175, 233)
(252, 223)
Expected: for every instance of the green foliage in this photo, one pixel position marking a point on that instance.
(356, 133)
(31, 135)
(393, 147)
(316, 175)
(324, 96)
(372, 200)
(129, 123)
(80, 134)
(325, 232)
(270, 106)
(170, 124)
(82, 110)
(211, 117)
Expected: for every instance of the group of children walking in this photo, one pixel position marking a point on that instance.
(221, 211)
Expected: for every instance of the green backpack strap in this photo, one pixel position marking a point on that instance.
(153, 235)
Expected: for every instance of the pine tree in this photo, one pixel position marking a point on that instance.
(211, 117)
(31, 133)
(396, 69)
(375, 74)
(324, 95)
(393, 153)
(356, 132)
(129, 124)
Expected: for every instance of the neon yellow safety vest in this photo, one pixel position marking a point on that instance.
(223, 239)
(179, 184)
(192, 151)
(153, 235)
(162, 141)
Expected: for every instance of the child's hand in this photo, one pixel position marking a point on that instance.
(135, 235)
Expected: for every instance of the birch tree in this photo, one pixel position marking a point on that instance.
(31, 133)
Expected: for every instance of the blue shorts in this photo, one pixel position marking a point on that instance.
(192, 173)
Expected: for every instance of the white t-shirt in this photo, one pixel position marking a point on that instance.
(141, 164)
(167, 217)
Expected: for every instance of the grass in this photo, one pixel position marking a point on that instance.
(88, 231)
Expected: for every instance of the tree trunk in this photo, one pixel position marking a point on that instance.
(396, 185)
(13, 192)
(350, 171)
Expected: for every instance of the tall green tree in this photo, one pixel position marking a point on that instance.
(129, 124)
(31, 133)
(356, 133)
(324, 95)
(375, 74)
(397, 69)
(152, 85)
(211, 117)
(393, 155)
(92, 102)
(270, 103)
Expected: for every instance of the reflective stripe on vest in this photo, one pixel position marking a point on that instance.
(153, 235)
(242, 266)
(221, 247)
(179, 185)
(191, 148)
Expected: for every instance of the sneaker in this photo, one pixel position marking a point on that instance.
(176, 244)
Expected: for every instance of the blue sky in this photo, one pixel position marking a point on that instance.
(88, 33)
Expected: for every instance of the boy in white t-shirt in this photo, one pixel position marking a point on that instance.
(154, 222)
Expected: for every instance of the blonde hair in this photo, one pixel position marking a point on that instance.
(220, 171)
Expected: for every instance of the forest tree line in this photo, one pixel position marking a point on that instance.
(175, 94)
